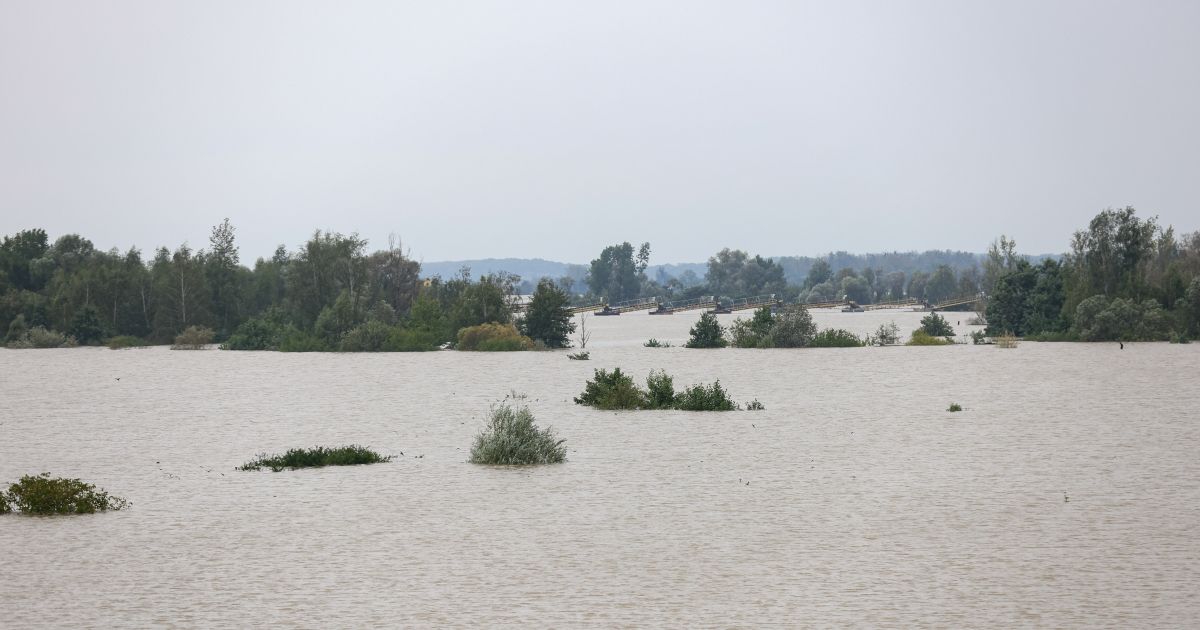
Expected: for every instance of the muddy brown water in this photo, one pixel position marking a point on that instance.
(1066, 494)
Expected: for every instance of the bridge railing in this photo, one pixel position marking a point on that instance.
(703, 301)
(756, 301)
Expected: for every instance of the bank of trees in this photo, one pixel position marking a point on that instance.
(1125, 278)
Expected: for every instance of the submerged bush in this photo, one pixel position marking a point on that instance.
(707, 333)
(121, 342)
(43, 494)
(193, 338)
(654, 343)
(410, 340)
(41, 338)
(836, 338)
(317, 457)
(510, 438)
(265, 332)
(954, 407)
(935, 325)
(754, 405)
(660, 391)
(705, 398)
(1180, 338)
(754, 332)
(492, 337)
(922, 338)
(5, 508)
(886, 335)
(370, 336)
(611, 390)
(580, 356)
(793, 328)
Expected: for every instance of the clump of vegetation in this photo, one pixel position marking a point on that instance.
(580, 356)
(317, 457)
(193, 338)
(954, 407)
(493, 337)
(977, 320)
(1067, 335)
(1180, 338)
(548, 318)
(299, 341)
(707, 333)
(43, 494)
(654, 343)
(41, 338)
(836, 338)
(791, 327)
(935, 325)
(886, 335)
(121, 342)
(611, 390)
(754, 332)
(978, 338)
(1007, 341)
(754, 405)
(616, 390)
(369, 336)
(922, 338)
(511, 438)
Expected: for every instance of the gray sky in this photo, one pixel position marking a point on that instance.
(550, 129)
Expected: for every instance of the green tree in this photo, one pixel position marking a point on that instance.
(935, 325)
(819, 272)
(793, 328)
(615, 275)
(221, 267)
(707, 333)
(548, 318)
(85, 326)
(941, 285)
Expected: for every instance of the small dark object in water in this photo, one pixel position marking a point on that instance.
(1122, 344)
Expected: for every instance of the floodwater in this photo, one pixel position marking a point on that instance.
(1066, 494)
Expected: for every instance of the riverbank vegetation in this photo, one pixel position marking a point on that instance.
(616, 390)
(511, 438)
(317, 457)
(43, 494)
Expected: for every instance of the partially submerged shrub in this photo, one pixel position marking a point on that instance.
(954, 407)
(886, 335)
(935, 325)
(369, 336)
(754, 405)
(707, 333)
(836, 338)
(5, 508)
(317, 457)
(1007, 341)
(611, 390)
(922, 338)
(660, 391)
(654, 343)
(511, 438)
(411, 340)
(43, 494)
(41, 338)
(754, 332)
(299, 341)
(793, 328)
(705, 398)
(121, 342)
(493, 337)
(193, 338)
(580, 356)
(978, 338)
(1180, 338)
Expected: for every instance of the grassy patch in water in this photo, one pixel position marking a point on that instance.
(317, 457)
(511, 438)
(954, 407)
(43, 494)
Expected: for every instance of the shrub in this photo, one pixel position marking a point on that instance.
(886, 335)
(922, 338)
(754, 332)
(39, 337)
(258, 333)
(954, 407)
(836, 338)
(511, 438)
(707, 333)
(548, 318)
(660, 391)
(654, 343)
(193, 338)
(1007, 341)
(611, 390)
(1099, 319)
(43, 494)
(125, 341)
(5, 508)
(935, 325)
(16, 328)
(580, 356)
(317, 457)
(300, 341)
(492, 337)
(408, 340)
(754, 405)
(705, 398)
(85, 326)
(793, 328)
(978, 338)
(370, 336)
(1180, 338)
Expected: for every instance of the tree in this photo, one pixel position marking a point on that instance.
(935, 325)
(615, 275)
(548, 318)
(819, 272)
(1028, 300)
(754, 332)
(85, 326)
(793, 328)
(1001, 260)
(707, 333)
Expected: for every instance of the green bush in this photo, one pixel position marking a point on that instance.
(886, 335)
(492, 337)
(258, 333)
(5, 508)
(1180, 338)
(16, 328)
(654, 343)
(580, 356)
(511, 438)
(317, 457)
(660, 391)
(43, 494)
(707, 333)
(370, 336)
(705, 398)
(754, 405)
(41, 338)
(935, 325)
(754, 332)
(793, 328)
(300, 341)
(193, 338)
(408, 340)
(836, 338)
(611, 390)
(85, 326)
(125, 341)
(1099, 319)
(922, 338)
(978, 338)
(954, 407)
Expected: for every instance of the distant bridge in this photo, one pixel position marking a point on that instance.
(747, 303)
(955, 301)
(521, 307)
(639, 304)
(905, 303)
(666, 308)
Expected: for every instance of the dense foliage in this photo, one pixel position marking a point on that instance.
(922, 338)
(836, 338)
(616, 390)
(43, 494)
(548, 318)
(707, 333)
(492, 338)
(791, 327)
(511, 438)
(935, 325)
(317, 457)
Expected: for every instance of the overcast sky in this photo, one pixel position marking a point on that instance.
(550, 129)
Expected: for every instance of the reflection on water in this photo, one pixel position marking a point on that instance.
(1066, 494)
